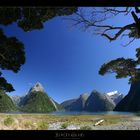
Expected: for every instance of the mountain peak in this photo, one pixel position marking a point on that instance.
(98, 101)
(113, 93)
(95, 92)
(84, 96)
(38, 84)
(115, 96)
(37, 87)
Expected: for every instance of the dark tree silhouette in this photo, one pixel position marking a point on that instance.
(94, 19)
(122, 67)
(12, 54)
(30, 18)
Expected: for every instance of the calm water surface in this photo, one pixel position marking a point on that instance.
(93, 113)
(80, 113)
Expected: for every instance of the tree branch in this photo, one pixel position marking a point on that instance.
(99, 27)
(116, 11)
(137, 10)
(129, 42)
(122, 29)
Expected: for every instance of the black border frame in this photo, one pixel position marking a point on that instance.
(68, 134)
(69, 3)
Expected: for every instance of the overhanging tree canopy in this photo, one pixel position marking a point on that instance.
(95, 19)
(12, 54)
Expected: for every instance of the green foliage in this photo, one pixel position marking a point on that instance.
(12, 55)
(6, 103)
(8, 121)
(119, 66)
(4, 86)
(134, 33)
(123, 68)
(30, 18)
(37, 102)
(29, 124)
(42, 125)
(64, 125)
(85, 128)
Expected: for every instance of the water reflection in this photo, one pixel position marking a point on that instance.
(92, 113)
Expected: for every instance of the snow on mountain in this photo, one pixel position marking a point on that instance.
(113, 93)
(115, 96)
(37, 87)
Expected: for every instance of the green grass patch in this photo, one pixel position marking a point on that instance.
(85, 128)
(42, 121)
(42, 126)
(8, 121)
(64, 125)
(29, 124)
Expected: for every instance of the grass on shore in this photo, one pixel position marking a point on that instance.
(8, 121)
(42, 121)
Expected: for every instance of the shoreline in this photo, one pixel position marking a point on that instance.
(68, 122)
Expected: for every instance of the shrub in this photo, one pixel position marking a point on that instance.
(8, 121)
(29, 124)
(64, 125)
(85, 128)
(42, 126)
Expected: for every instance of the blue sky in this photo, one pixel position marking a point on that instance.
(66, 61)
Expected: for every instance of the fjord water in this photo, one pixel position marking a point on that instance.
(92, 113)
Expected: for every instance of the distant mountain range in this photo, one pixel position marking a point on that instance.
(95, 101)
(76, 104)
(38, 101)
